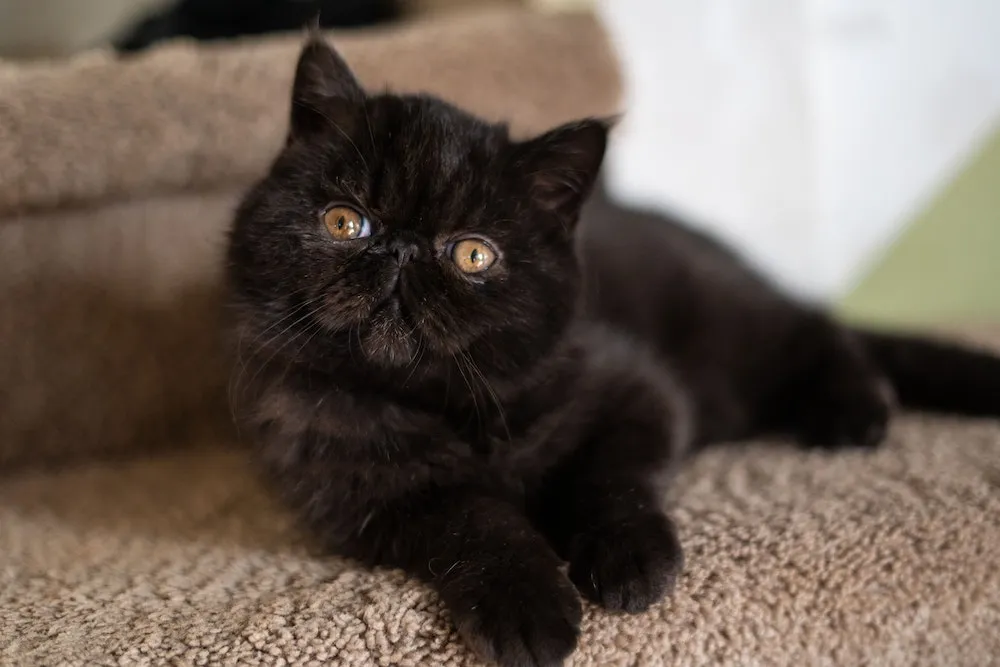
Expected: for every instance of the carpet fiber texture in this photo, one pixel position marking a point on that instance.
(794, 558)
(117, 180)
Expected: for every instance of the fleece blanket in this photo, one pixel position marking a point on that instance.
(133, 530)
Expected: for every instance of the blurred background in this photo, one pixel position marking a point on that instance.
(849, 148)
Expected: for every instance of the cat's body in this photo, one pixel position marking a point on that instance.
(442, 376)
(754, 360)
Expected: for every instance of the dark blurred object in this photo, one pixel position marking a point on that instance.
(226, 19)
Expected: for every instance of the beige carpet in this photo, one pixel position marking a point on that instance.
(794, 559)
(116, 183)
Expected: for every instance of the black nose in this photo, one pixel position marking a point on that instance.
(403, 250)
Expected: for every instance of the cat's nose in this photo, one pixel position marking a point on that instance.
(403, 250)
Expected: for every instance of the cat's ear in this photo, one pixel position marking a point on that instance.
(562, 165)
(325, 92)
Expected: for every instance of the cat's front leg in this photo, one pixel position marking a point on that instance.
(606, 518)
(498, 577)
(602, 507)
(397, 488)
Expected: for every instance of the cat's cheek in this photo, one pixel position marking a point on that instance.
(341, 309)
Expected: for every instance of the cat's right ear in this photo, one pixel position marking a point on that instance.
(325, 92)
(562, 165)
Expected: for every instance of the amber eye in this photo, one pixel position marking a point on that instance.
(346, 224)
(473, 256)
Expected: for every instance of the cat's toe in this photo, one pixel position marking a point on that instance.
(521, 620)
(628, 565)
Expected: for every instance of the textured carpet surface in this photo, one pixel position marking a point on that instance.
(794, 558)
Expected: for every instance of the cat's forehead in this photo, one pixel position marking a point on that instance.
(428, 159)
(434, 132)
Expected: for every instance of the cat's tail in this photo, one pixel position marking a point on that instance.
(935, 375)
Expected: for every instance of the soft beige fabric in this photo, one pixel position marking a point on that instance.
(793, 559)
(192, 115)
(116, 183)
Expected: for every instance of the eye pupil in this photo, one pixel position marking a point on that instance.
(345, 223)
(473, 255)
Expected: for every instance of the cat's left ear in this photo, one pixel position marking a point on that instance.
(325, 91)
(562, 165)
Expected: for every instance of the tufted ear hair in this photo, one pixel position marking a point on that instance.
(325, 92)
(562, 165)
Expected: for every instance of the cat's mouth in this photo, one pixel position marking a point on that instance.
(392, 305)
(389, 337)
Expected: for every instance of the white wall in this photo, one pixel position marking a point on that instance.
(806, 132)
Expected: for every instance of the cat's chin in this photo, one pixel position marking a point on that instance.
(388, 340)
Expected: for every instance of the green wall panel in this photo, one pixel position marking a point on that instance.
(945, 267)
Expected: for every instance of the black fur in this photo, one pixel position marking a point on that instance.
(209, 20)
(479, 431)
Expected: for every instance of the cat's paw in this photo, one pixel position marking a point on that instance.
(523, 617)
(627, 565)
(852, 412)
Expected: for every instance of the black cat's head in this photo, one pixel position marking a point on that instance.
(396, 227)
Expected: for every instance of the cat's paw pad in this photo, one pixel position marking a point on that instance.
(627, 565)
(519, 619)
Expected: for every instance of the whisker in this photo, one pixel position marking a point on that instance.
(418, 358)
(368, 122)
(284, 318)
(475, 401)
(492, 393)
(336, 127)
(240, 372)
(316, 328)
(262, 348)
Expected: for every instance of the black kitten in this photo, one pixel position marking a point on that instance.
(447, 374)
